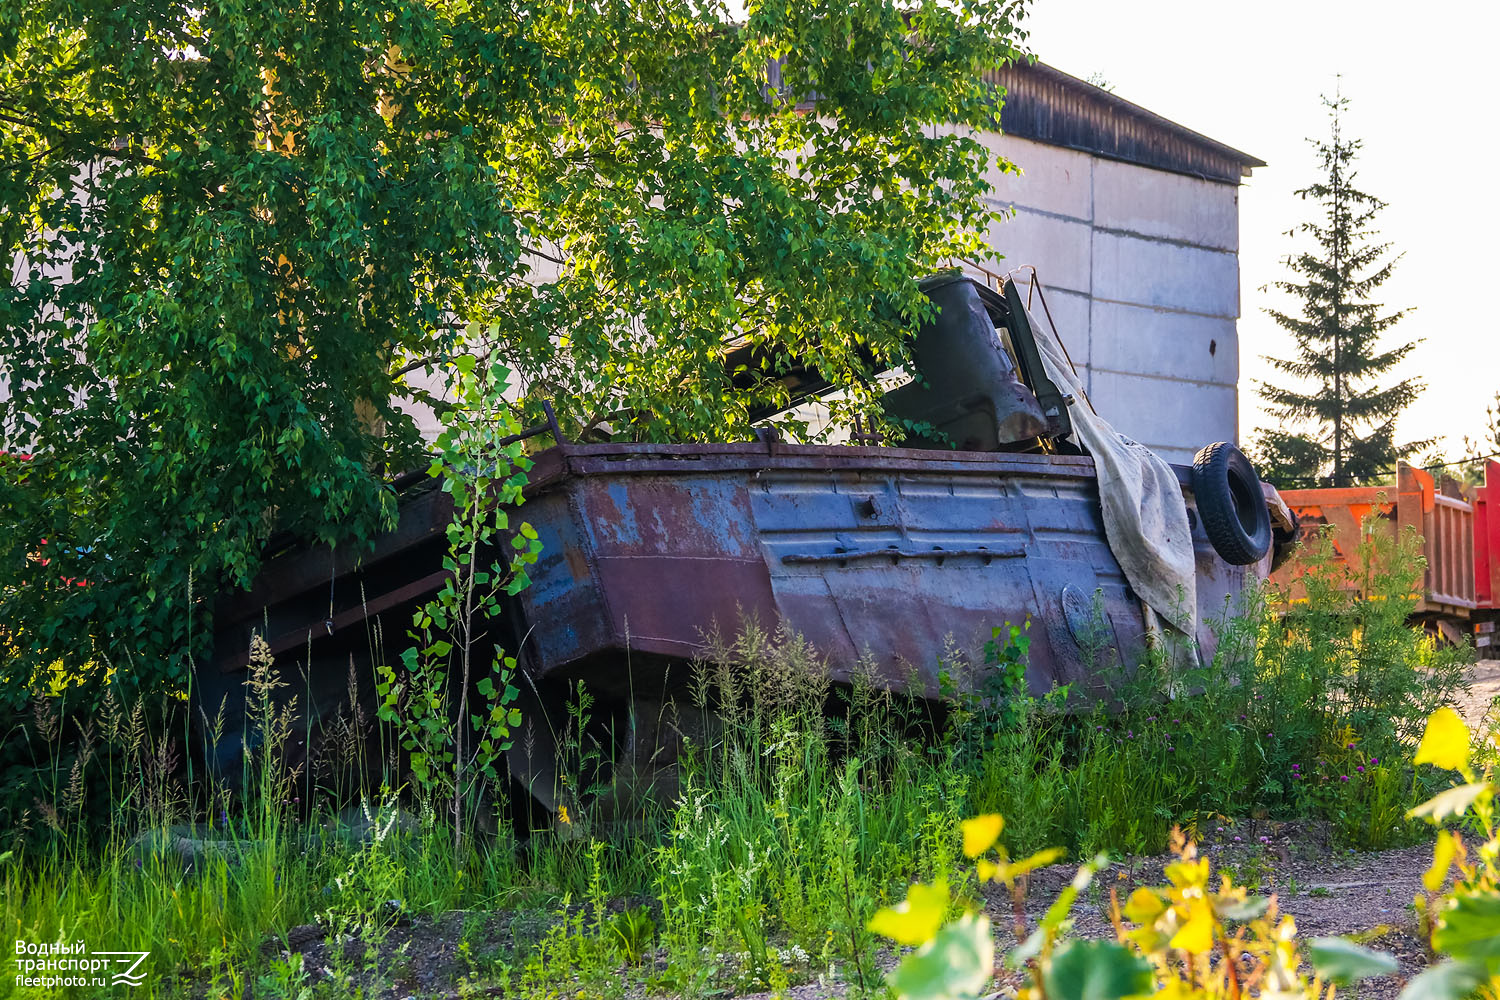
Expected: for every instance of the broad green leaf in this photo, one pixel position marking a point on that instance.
(955, 965)
(1096, 970)
(1470, 929)
(980, 833)
(1249, 908)
(1445, 981)
(1342, 961)
(1445, 742)
(915, 920)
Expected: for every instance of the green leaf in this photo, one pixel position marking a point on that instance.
(1470, 929)
(1342, 961)
(1445, 981)
(1454, 801)
(955, 965)
(1250, 908)
(1096, 970)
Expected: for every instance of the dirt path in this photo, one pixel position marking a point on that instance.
(1485, 680)
(1327, 893)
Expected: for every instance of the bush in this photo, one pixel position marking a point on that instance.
(1463, 923)
(1185, 939)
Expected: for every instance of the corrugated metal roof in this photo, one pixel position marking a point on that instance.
(1048, 105)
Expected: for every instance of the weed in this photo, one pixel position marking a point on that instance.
(633, 932)
(795, 808)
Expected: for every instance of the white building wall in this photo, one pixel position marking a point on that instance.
(1141, 271)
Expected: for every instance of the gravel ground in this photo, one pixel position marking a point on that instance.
(1485, 681)
(1327, 892)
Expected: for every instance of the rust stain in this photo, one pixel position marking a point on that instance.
(578, 564)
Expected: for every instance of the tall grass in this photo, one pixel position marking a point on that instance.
(798, 808)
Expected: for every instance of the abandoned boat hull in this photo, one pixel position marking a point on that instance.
(886, 554)
(895, 556)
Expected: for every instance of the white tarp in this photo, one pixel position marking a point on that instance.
(1145, 516)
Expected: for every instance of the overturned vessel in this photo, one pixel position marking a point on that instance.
(880, 557)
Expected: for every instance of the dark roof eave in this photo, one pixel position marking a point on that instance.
(1046, 105)
(1131, 108)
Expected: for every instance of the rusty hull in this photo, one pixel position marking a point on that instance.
(882, 553)
(892, 555)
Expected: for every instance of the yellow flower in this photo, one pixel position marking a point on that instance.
(1197, 935)
(914, 921)
(562, 814)
(1445, 744)
(980, 833)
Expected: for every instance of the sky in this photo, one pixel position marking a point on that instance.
(1419, 77)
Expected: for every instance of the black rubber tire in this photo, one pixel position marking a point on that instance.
(1231, 505)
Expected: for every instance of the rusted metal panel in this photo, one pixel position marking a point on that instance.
(884, 552)
(637, 560)
(644, 547)
(894, 555)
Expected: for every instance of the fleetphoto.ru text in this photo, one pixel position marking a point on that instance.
(59, 964)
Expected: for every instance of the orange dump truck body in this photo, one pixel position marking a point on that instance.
(1445, 521)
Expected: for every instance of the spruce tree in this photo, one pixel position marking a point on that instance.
(1347, 421)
